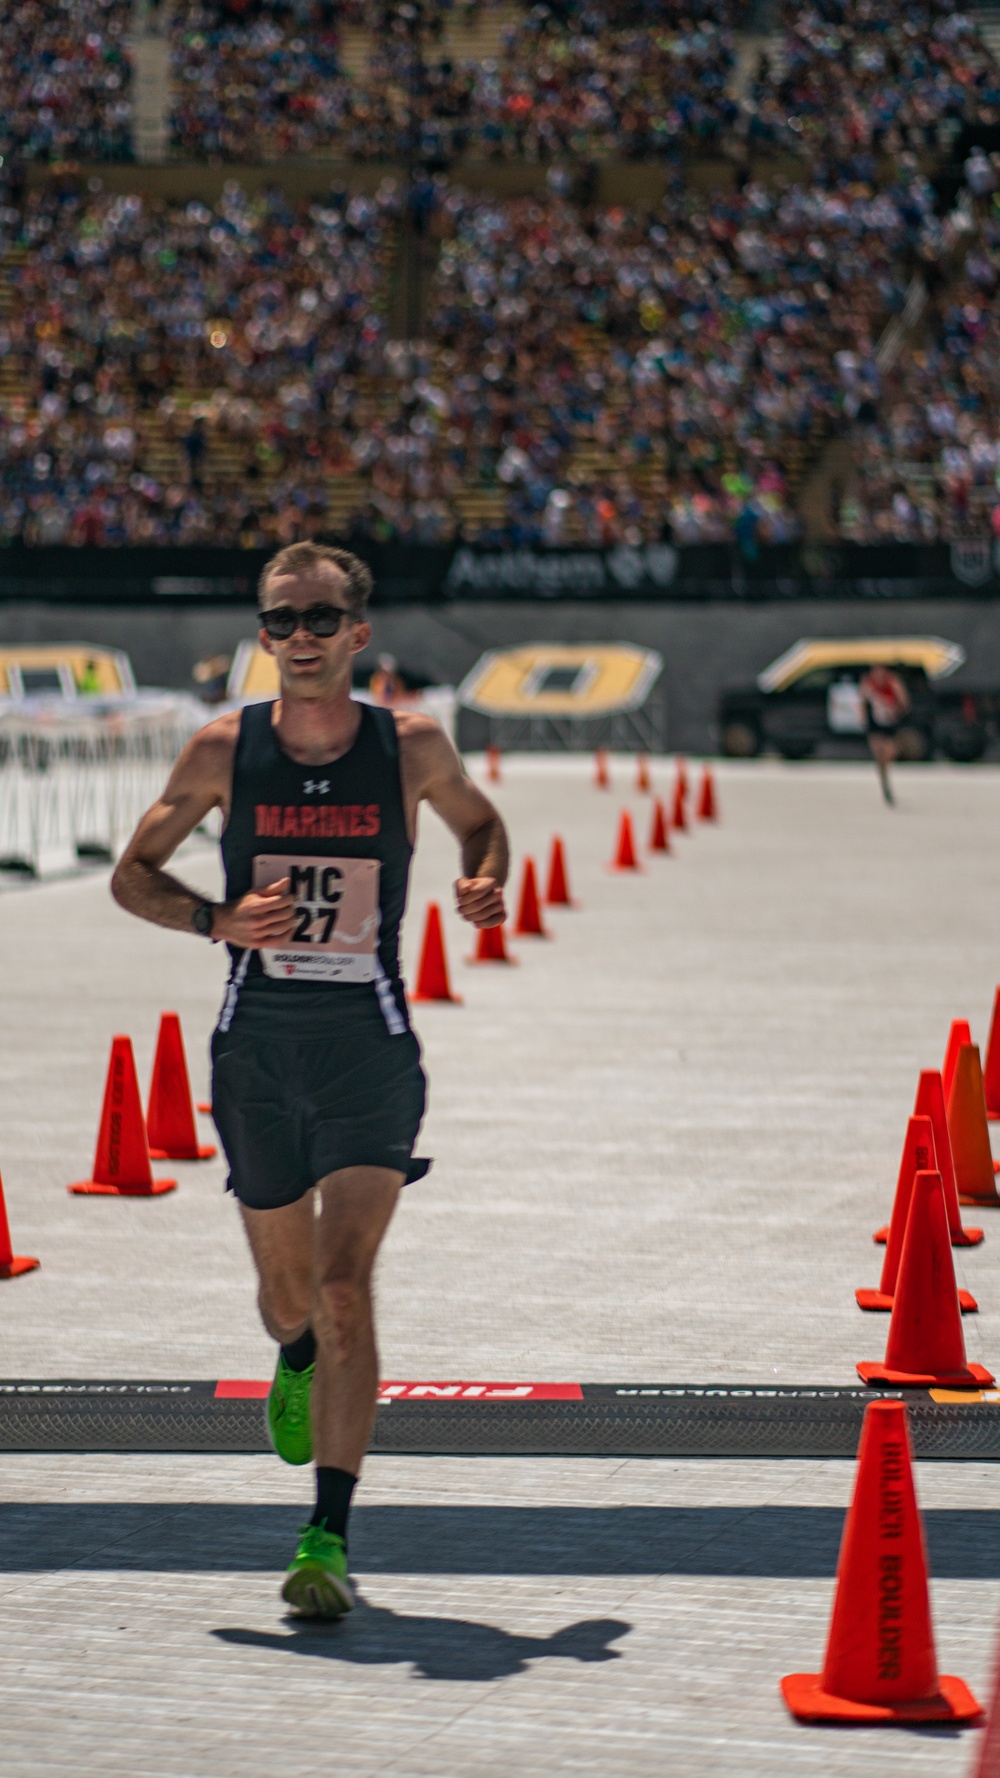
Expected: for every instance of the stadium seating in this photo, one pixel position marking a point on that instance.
(871, 76)
(65, 81)
(928, 459)
(257, 85)
(641, 79)
(167, 372)
(384, 81)
(803, 339)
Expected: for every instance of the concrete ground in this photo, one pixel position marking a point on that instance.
(515, 1617)
(661, 1144)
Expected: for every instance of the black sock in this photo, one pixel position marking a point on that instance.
(334, 1488)
(301, 1353)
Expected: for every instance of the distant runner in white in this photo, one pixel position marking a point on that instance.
(317, 1087)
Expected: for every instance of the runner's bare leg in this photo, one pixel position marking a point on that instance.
(315, 1270)
(282, 1242)
(884, 752)
(356, 1207)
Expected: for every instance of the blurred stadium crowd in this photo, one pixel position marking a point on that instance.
(193, 371)
(65, 80)
(579, 78)
(258, 79)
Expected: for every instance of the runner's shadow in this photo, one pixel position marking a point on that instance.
(437, 1647)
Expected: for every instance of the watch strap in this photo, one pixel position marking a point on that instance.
(203, 918)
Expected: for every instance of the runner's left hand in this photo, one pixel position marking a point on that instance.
(480, 901)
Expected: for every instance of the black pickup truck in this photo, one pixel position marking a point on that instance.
(809, 697)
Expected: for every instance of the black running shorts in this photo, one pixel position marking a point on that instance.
(295, 1097)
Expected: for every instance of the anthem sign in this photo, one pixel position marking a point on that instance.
(551, 574)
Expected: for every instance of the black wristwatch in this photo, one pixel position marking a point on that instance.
(203, 918)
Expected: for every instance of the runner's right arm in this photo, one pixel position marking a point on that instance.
(199, 782)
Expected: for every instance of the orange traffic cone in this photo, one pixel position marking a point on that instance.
(625, 853)
(557, 890)
(643, 782)
(682, 776)
(659, 837)
(493, 763)
(678, 814)
(121, 1164)
(929, 1102)
(170, 1128)
(918, 1157)
(926, 1346)
(708, 809)
(432, 970)
(991, 1068)
(958, 1035)
(602, 777)
(970, 1133)
(529, 914)
(12, 1264)
(881, 1663)
(491, 947)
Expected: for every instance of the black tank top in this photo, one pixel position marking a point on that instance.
(351, 808)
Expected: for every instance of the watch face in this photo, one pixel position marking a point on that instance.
(202, 919)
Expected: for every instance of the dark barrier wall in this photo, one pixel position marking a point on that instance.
(707, 648)
(412, 574)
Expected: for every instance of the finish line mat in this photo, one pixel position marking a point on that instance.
(468, 1419)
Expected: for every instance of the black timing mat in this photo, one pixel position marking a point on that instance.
(505, 1419)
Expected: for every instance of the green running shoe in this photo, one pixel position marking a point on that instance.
(316, 1584)
(288, 1424)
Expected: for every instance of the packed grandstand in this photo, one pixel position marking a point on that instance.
(626, 273)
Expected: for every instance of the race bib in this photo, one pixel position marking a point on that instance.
(336, 918)
(845, 708)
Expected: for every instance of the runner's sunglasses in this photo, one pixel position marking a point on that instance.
(282, 621)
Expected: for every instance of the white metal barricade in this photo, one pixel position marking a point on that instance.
(73, 782)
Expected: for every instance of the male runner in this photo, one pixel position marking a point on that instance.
(317, 1088)
(886, 702)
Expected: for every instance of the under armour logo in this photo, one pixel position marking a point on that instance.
(316, 787)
